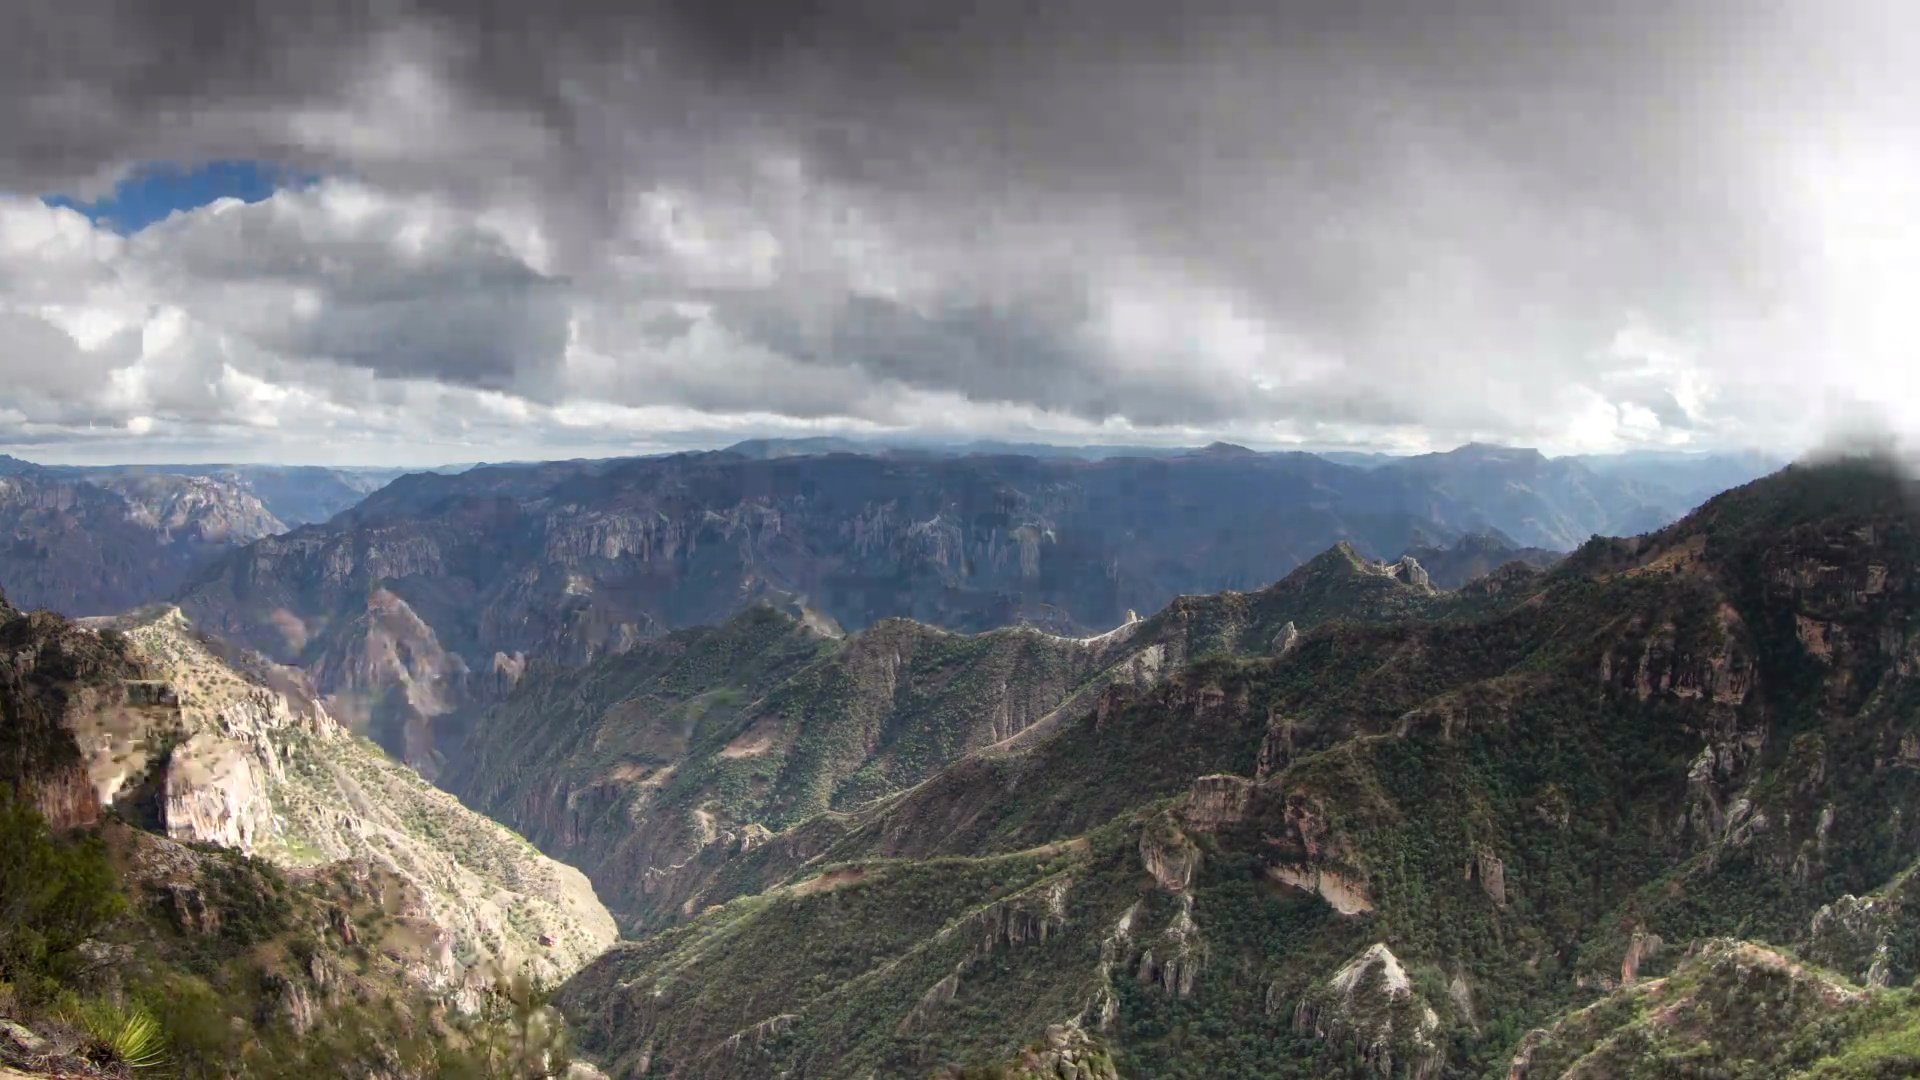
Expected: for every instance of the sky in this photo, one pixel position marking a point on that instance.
(421, 231)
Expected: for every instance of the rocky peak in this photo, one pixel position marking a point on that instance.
(1408, 569)
(1285, 639)
(1370, 1003)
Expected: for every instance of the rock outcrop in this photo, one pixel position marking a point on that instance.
(1065, 1053)
(1286, 639)
(1342, 892)
(248, 758)
(1173, 959)
(1370, 1004)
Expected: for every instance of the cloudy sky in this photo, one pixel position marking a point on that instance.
(391, 231)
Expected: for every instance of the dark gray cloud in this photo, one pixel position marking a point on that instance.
(342, 276)
(1580, 224)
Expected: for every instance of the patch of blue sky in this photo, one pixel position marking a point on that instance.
(153, 191)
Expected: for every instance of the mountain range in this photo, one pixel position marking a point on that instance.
(868, 792)
(98, 540)
(435, 591)
(1648, 813)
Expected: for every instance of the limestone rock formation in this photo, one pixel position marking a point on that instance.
(1370, 1004)
(247, 758)
(1410, 571)
(1286, 639)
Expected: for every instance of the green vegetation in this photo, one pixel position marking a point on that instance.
(127, 1035)
(677, 755)
(231, 971)
(1523, 797)
(56, 894)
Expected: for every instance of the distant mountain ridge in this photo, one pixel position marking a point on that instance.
(88, 540)
(294, 494)
(563, 561)
(89, 548)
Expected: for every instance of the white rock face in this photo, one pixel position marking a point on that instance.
(257, 764)
(1413, 573)
(1347, 896)
(1370, 1003)
(1377, 957)
(215, 794)
(1286, 639)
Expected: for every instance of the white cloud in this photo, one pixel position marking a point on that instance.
(1549, 227)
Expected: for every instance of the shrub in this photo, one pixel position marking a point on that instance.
(55, 895)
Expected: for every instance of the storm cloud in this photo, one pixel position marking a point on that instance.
(560, 225)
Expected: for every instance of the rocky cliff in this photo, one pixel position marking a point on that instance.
(206, 876)
(56, 678)
(213, 745)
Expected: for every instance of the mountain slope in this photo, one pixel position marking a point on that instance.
(235, 967)
(1389, 850)
(1555, 503)
(128, 949)
(649, 769)
(1691, 478)
(1474, 556)
(245, 757)
(1745, 1010)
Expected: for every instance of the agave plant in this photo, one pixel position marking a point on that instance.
(131, 1034)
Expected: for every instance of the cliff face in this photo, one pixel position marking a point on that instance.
(199, 509)
(1387, 847)
(564, 562)
(280, 896)
(214, 745)
(56, 678)
(86, 548)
